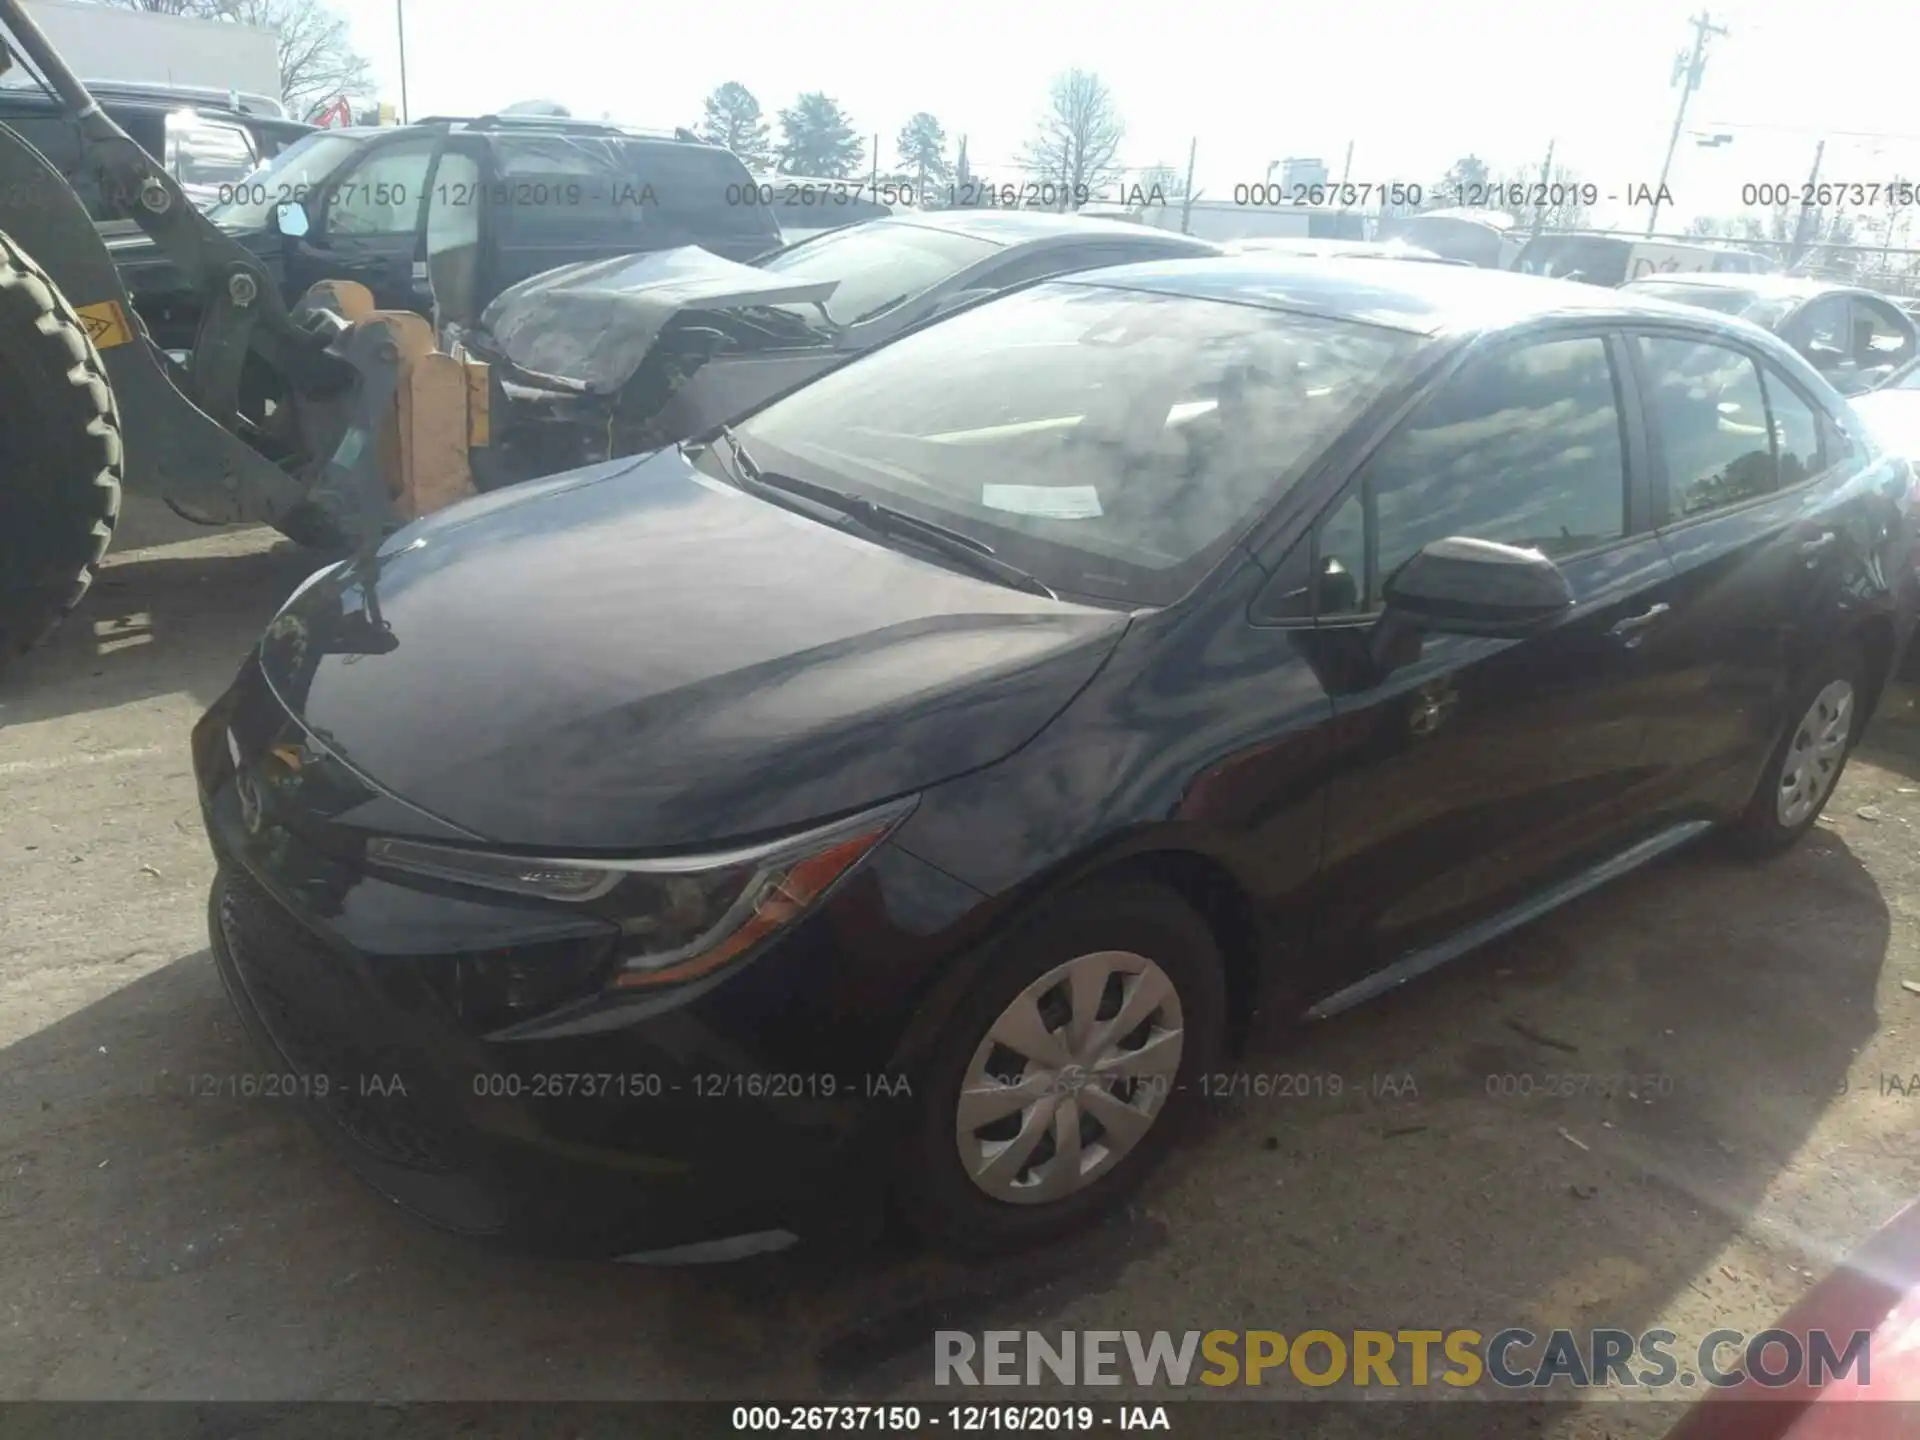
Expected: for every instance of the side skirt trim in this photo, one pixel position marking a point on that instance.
(1419, 962)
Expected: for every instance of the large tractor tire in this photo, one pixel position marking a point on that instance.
(60, 455)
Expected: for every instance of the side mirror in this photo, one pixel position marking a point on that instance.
(290, 219)
(1462, 586)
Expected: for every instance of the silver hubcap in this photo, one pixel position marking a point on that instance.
(1814, 758)
(1069, 1078)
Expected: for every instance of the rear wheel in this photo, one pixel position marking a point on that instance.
(60, 455)
(1806, 764)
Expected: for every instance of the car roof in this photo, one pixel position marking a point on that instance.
(1417, 298)
(1022, 227)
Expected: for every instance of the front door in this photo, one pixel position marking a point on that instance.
(1468, 772)
(371, 224)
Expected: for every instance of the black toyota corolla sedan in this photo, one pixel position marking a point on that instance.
(895, 804)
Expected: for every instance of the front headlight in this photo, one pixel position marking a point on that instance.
(680, 917)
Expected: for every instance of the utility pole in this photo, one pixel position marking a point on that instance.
(400, 18)
(874, 190)
(1546, 177)
(1800, 224)
(1347, 168)
(1689, 69)
(1186, 198)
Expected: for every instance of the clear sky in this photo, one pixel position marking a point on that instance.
(1412, 86)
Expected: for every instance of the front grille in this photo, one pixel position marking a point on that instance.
(321, 1018)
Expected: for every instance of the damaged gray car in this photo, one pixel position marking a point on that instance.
(616, 357)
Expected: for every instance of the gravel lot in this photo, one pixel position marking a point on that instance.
(162, 1245)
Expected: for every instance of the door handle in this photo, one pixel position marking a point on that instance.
(1634, 624)
(1820, 546)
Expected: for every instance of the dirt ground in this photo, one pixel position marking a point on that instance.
(155, 1244)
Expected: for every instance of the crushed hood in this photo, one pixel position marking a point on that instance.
(595, 322)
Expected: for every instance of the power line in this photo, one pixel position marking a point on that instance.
(1806, 130)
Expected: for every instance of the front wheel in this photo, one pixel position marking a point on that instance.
(1805, 766)
(1061, 1081)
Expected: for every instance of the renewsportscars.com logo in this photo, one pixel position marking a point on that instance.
(1513, 1359)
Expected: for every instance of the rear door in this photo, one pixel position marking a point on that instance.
(1742, 464)
(1470, 772)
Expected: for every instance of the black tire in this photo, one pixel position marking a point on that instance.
(935, 1195)
(1760, 831)
(60, 456)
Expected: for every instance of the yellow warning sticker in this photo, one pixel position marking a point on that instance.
(105, 324)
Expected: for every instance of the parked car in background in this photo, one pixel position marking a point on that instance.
(1485, 238)
(523, 193)
(1892, 409)
(1616, 259)
(1225, 221)
(1853, 337)
(975, 735)
(1341, 249)
(619, 356)
(805, 207)
(205, 138)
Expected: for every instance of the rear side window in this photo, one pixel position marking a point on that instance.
(705, 191)
(1796, 431)
(616, 188)
(555, 187)
(1711, 418)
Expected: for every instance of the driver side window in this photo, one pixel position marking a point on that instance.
(1522, 446)
(382, 195)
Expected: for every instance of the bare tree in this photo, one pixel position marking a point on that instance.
(1794, 235)
(1078, 145)
(317, 59)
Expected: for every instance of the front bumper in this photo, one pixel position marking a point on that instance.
(458, 1052)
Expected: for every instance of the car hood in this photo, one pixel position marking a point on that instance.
(634, 657)
(595, 322)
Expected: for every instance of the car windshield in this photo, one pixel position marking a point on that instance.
(1766, 311)
(880, 265)
(1113, 442)
(290, 175)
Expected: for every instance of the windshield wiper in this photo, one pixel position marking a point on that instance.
(882, 519)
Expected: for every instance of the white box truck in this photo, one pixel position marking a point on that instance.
(137, 46)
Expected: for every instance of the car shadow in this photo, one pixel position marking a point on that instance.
(1893, 740)
(1714, 1008)
(155, 623)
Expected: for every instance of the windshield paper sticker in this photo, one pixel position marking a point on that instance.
(1046, 502)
